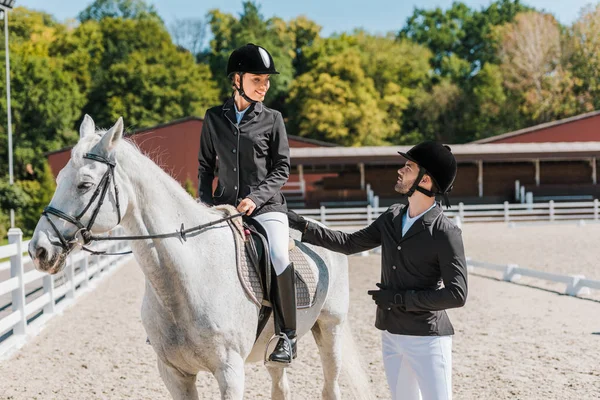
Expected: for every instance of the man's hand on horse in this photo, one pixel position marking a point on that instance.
(247, 206)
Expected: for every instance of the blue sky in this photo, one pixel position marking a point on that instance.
(375, 16)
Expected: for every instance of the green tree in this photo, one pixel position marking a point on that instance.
(230, 33)
(303, 34)
(138, 72)
(40, 193)
(124, 9)
(532, 64)
(465, 50)
(461, 31)
(45, 98)
(11, 197)
(442, 31)
(583, 53)
(479, 45)
(492, 116)
(337, 102)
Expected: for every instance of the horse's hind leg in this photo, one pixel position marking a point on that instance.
(280, 388)
(328, 336)
(180, 386)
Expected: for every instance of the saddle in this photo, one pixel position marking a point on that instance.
(255, 269)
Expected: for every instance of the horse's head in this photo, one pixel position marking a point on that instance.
(86, 199)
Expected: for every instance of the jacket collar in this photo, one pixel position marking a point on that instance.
(422, 223)
(253, 111)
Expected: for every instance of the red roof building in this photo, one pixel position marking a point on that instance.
(580, 128)
(557, 160)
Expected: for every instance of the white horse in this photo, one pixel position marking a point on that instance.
(195, 311)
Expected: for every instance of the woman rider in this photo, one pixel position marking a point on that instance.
(250, 145)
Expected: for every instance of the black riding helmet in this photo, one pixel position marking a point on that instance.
(437, 161)
(250, 59)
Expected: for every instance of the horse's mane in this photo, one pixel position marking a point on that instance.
(131, 158)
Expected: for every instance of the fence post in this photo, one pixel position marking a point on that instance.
(86, 273)
(457, 222)
(551, 207)
(522, 195)
(461, 211)
(510, 274)
(49, 288)
(369, 214)
(71, 278)
(470, 267)
(15, 236)
(506, 211)
(574, 288)
(596, 206)
(529, 200)
(517, 189)
(323, 214)
(99, 264)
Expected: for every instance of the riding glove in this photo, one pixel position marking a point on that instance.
(296, 221)
(387, 298)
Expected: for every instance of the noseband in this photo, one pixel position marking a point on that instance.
(101, 191)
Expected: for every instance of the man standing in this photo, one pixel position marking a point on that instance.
(423, 273)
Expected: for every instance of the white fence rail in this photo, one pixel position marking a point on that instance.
(507, 212)
(29, 298)
(575, 284)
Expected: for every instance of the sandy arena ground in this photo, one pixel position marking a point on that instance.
(512, 341)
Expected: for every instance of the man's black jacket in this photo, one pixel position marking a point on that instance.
(431, 253)
(251, 160)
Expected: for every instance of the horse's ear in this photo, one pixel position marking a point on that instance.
(87, 127)
(112, 136)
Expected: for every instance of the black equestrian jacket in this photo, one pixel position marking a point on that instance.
(427, 263)
(251, 160)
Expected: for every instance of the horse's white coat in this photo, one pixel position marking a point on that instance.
(194, 310)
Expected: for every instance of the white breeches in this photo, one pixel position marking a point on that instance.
(418, 367)
(278, 233)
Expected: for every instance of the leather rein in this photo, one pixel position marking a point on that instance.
(100, 193)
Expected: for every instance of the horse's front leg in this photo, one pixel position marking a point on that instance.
(181, 386)
(230, 375)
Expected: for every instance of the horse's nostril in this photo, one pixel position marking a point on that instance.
(41, 253)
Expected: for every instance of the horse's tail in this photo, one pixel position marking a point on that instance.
(356, 376)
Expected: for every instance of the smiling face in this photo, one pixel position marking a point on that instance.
(255, 86)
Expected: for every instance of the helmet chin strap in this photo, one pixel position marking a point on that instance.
(241, 92)
(415, 187)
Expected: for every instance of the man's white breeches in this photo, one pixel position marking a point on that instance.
(418, 367)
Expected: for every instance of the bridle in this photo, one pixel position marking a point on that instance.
(86, 231)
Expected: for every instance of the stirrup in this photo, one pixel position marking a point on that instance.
(277, 363)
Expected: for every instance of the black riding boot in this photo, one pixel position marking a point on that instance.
(285, 292)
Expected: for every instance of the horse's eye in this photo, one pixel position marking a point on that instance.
(84, 185)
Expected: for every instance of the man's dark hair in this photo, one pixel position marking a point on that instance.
(434, 186)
